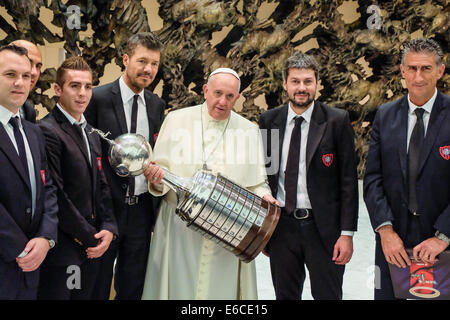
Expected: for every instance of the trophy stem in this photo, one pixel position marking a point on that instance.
(181, 186)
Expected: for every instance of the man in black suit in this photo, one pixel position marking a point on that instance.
(27, 110)
(86, 221)
(28, 207)
(312, 173)
(406, 183)
(120, 107)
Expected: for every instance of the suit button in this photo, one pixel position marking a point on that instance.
(28, 210)
(124, 186)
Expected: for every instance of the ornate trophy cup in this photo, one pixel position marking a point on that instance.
(218, 208)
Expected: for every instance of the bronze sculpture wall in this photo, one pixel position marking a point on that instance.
(256, 49)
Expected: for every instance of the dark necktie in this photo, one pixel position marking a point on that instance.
(415, 147)
(134, 111)
(292, 167)
(20, 144)
(79, 130)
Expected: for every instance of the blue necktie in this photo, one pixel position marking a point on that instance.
(20, 144)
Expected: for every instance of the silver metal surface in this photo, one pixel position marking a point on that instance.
(128, 154)
(224, 212)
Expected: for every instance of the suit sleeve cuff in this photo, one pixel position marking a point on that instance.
(383, 224)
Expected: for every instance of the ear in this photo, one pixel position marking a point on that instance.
(284, 85)
(125, 59)
(205, 90)
(58, 90)
(441, 70)
(402, 71)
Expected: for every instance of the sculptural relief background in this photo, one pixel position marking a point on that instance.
(359, 59)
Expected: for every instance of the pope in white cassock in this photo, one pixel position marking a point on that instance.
(182, 264)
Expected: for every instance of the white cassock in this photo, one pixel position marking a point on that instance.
(182, 264)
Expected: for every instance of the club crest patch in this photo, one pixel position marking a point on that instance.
(445, 152)
(327, 159)
(99, 163)
(43, 176)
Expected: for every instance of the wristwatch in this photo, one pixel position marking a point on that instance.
(51, 243)
(442, 237)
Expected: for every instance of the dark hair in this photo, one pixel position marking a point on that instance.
(423, 45)
(301, 60)
(146, 39)
(72, 63)
(21, 51)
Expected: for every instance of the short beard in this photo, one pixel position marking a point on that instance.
(301, 105)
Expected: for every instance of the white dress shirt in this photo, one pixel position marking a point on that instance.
(142, 127)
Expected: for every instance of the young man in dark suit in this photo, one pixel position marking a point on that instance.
(312, 174)
(28, 220)
(120, 107)
(406, 183)
(86, 221)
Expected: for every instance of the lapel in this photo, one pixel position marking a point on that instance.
(70, 130)
(151, 127)
(33, 143)
(8, 148)
(118, 107)
(93, 146)
(400, 133)
(279, 123)
(316, 130)
(437, 116)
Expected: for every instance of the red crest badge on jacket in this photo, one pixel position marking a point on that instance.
(43, 176)
(327, 159)
(445, 152)
(99, 163)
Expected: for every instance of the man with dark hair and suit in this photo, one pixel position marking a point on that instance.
(406, 183)
(120, 107)
(312, 173)
(86, 221)
(27, 110)
(28, 207)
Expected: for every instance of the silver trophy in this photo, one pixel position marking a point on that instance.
(213, 205)
(224, 212)
(128, 154)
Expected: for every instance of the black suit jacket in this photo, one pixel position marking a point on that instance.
(16, 225)
(332, 187)
(385, 180)
(105, 112)
(28, 111)
(84, 198)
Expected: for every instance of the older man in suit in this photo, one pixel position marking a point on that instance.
(312, 174)
(28, 220)
(406, 183)
(87, 224)
(27, 110)
(120, 107)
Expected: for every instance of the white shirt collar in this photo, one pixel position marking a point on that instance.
(6, 114)
(306, 115)
(428, 106)
(127, 93)
(71, 119)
